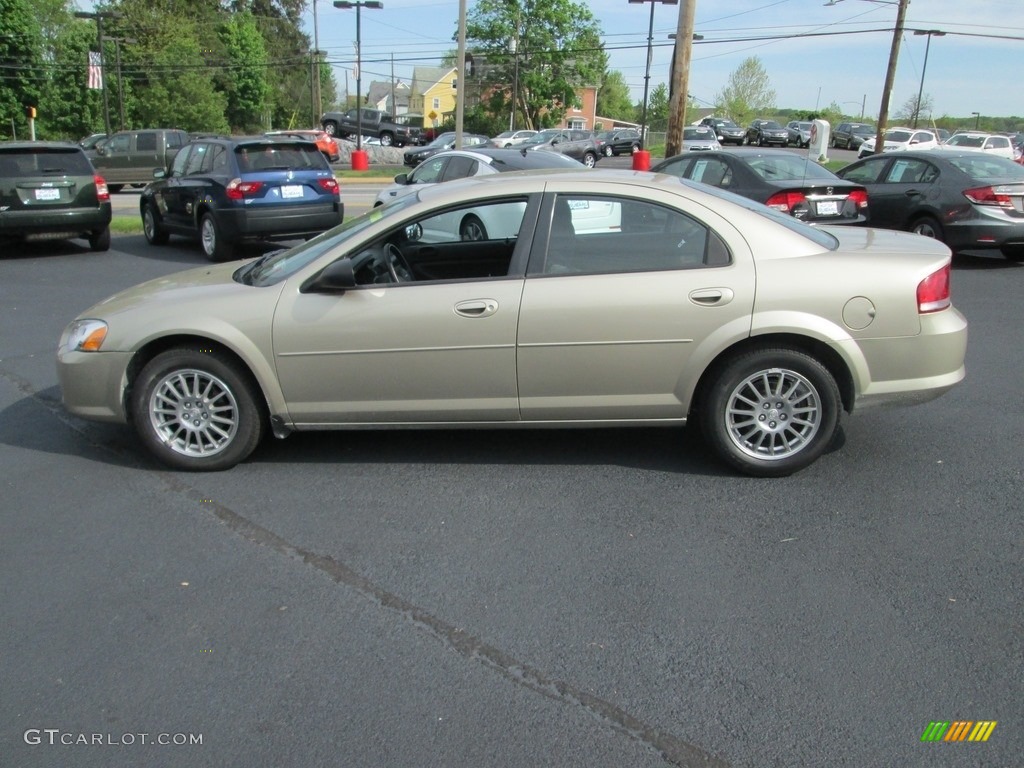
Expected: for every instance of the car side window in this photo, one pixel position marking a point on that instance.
(591, 235)
(178, 166)
(217, 160)
(678, 168)
(459, 168)
(195, 160)
(711, 171)
(119, 143)
(867, 173)
(429, 171)
(145, 142)
(910, 172)
(173, 140)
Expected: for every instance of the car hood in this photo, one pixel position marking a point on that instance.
(205, 300)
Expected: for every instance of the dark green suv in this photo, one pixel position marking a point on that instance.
(50, 191)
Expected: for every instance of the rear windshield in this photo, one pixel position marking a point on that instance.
(788, 168)
(44, 161)
(984, 167)
(279, 157)
(900, 136)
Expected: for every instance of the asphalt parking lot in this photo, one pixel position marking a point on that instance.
(570, 598)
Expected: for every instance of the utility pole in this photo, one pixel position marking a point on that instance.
(890, 75)
(460, 93)
(680, 78)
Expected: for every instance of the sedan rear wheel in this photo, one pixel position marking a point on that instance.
(194, 409)
(770, 412)
(472, 229)
(928, 227)
(590, 159)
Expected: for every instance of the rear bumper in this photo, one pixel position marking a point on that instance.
(280, 222)
(984, 230)
(56, 224)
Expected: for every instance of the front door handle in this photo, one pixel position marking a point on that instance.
(477, 308)
(712, 297)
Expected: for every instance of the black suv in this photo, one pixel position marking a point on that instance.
(50, 191)
(229, 189)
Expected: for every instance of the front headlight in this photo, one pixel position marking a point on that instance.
(85, 336)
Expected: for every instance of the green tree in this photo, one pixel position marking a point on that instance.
(21, 64)
(69, 109)
(246, 88)
(657, 108)
(748, 93)
(613, 99)
(557, 46)
(180, 93)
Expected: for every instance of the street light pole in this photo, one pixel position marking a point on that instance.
(977, 119)
(99, 16)
(357, 4)
(647, 71)
(931, 33)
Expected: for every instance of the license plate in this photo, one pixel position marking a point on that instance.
(291, 190)
(828, 208)
(47, 194)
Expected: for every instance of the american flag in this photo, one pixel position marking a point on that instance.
(95, 70)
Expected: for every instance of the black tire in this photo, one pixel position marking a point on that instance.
(589, 159)
(155, 234)
(213, 432)
(1013, 252)
(212, 240)
(330, 128)
(928, 227)
(386, 139)
(100, 241)
(472, 228)
(760, 141)
(772, 442)
(608, 151)
(114, 188)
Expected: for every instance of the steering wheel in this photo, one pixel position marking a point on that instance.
(397, 266)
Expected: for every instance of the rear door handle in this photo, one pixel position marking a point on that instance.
(477, 308)
(712, 297)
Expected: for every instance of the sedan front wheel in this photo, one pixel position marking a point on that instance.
(194, 409)
(770, 412)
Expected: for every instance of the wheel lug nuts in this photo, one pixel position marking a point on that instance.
(761, 417)
(771, 424)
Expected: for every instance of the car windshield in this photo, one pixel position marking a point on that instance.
(985, 168)
(44, 161)
(812, 233)
(967, 141)
(804, 126)
(771, 125)
(693, 134)
(728, 124)
(525, 161)
(280, 265)
(545, 136)
(788, 167)
(284, 156)
(898, 136)
(864, 130)
(505, 135)
(442, 141)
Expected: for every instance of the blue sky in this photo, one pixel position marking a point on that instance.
(972, 69)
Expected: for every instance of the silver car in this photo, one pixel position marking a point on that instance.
(699, 138)
(607, 298)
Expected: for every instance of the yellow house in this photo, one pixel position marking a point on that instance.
(433, 94)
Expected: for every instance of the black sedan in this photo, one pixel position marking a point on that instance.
(969, 200)
(782, 180)
(414, 157)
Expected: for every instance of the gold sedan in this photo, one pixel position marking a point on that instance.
(591, 298)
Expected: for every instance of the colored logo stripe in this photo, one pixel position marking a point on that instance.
(958, 730)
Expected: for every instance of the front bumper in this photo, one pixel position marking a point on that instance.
(93, 384)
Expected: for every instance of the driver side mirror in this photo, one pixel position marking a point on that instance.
(336, 277)
(402, 178)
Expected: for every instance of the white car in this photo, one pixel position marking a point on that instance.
(511, 138)
(896, 139)
(999, 146)
(699, 138)
(454, 164)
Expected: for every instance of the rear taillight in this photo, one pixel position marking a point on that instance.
(988, 196)
(329, 185)
(860, 197)
(933, 291)
(102, 193)
(788, 202)
(238, 189)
